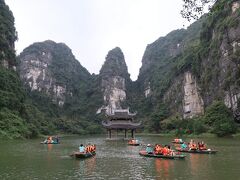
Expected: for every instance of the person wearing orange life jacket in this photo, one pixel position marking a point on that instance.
(87, 148)
(49, 140)
(165, 150)
(202, 146)
(193, 145)
(91, 148)
(94, 148)
(157, 149)
(169, 150)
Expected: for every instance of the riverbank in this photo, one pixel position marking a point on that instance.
(203, 135)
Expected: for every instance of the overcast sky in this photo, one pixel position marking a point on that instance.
(93, 27)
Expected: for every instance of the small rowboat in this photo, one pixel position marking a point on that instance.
(177, 156)
(50, 143)
(175, 142)
(208, 151)
(82, 155)
(134, 144)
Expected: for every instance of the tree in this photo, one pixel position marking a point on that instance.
(220, 118)
(194, 9)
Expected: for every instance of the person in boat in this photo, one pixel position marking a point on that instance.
(132, 141)
(149, 149)
(56, 139)
(87, 149)
(48, 140)
(166, 150)
(184, 146)
(94, 148)
(45, 141)
(81, 148)
(91, 148)
(202, 146)
(158, 149)
(170, 151)
(192, 145)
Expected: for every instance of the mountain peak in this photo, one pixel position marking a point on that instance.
(114, 64)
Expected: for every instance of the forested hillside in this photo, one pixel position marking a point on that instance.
(190, 70)
(189, 82)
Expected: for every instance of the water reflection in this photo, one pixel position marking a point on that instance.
(49, 147)
(114, 160)
(200, 164)
(163, 168)
(86, 167)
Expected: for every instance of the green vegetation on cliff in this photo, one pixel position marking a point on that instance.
(64, 92)
(206, 49)
(26, 113)
(8, 34)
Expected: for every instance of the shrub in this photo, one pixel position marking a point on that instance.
(11, 125)
(220, 118)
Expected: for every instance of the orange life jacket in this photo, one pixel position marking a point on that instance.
(165, 151)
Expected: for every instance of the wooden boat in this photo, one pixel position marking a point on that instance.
(82, 155)
(208, 151)
(177, 156)
(133, 144)
(175, 141)
(54, 142)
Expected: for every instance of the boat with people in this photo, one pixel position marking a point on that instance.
(169, 156)
(193, 147)
(178, 141)
(160, 151)
(82, 155)
(85, 151)
(133, 142)
(51, 140)
(197, 151)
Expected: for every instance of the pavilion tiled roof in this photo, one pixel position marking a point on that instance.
(124, 125)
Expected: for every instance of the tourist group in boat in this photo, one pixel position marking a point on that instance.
(86, 151)
(161, 151)
(51, 140)
(157, 150)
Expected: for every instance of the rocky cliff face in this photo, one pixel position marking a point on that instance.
(184, 97)
(182, 73)
(162, 75)
(189, 69)
(220, 68)
(51, 68)
(114, 77)
(7, 37)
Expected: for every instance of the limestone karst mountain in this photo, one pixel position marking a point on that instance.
(115, 80)
(59, 86)
(51, 68)
(189, 79)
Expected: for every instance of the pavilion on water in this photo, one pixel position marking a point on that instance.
(119, 120)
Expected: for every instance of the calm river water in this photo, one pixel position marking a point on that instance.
(28, 159)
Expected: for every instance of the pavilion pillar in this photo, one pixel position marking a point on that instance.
(109, 134)
(132, 133)
(125, 133)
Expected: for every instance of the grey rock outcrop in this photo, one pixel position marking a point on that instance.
(114, 76)
(51, 68)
